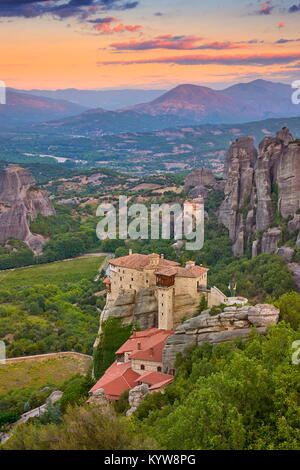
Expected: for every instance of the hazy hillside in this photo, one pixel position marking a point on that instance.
(23, 109)
(243, 102)
(108, 99)
(188, 105)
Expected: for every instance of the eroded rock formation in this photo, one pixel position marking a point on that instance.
(136, 396)
(234, 322)
(260, 184)
(131, 307)
(20, 202)
(141, 307)
(200, 182)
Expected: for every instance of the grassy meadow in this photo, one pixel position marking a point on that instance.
(37, 373)
(51, 307)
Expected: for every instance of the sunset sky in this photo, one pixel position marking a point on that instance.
(83, 44)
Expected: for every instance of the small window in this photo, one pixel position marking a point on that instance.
(132, 278)
(159, 369)
(142, 367)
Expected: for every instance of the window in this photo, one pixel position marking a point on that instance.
(142, 367)
(159, 369)
(132, 278)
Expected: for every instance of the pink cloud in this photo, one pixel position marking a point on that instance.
(203, 59)
(266, 8)
(168, 41)
(105, 26)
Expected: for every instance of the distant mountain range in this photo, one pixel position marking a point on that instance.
(21, 108)
(109, 99)
(243, 102)
(183, 105)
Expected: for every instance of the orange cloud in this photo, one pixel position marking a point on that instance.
(104, 26)
(126, 27)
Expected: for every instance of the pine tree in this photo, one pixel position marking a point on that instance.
(202, 305)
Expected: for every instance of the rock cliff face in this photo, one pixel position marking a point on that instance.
(234, 322)
(131, 307)
(198, 182)
(259, 184)
(141, 307)
(20, 201)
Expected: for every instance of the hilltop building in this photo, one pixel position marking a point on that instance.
(178, 290)
(138, 361)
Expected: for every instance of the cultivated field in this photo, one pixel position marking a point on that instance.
(60, 272)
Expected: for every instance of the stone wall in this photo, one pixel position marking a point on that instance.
(149, 366)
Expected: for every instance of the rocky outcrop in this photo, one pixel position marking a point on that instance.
(286, 253)
(258, 184)
(200, 182)
(20, 202)
(270, 240)
(235, 212)
(294, 224)
(234, 322)
(132, 307)
(98, 398)
(295, 269)
(136, 396)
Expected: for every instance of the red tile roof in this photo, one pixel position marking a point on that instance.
(136, 338)
(177, 271)
(118, 378)
(140, 262)
(155, 379)
(152, 347)
(168, 271)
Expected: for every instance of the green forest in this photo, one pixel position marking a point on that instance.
(236, 396)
